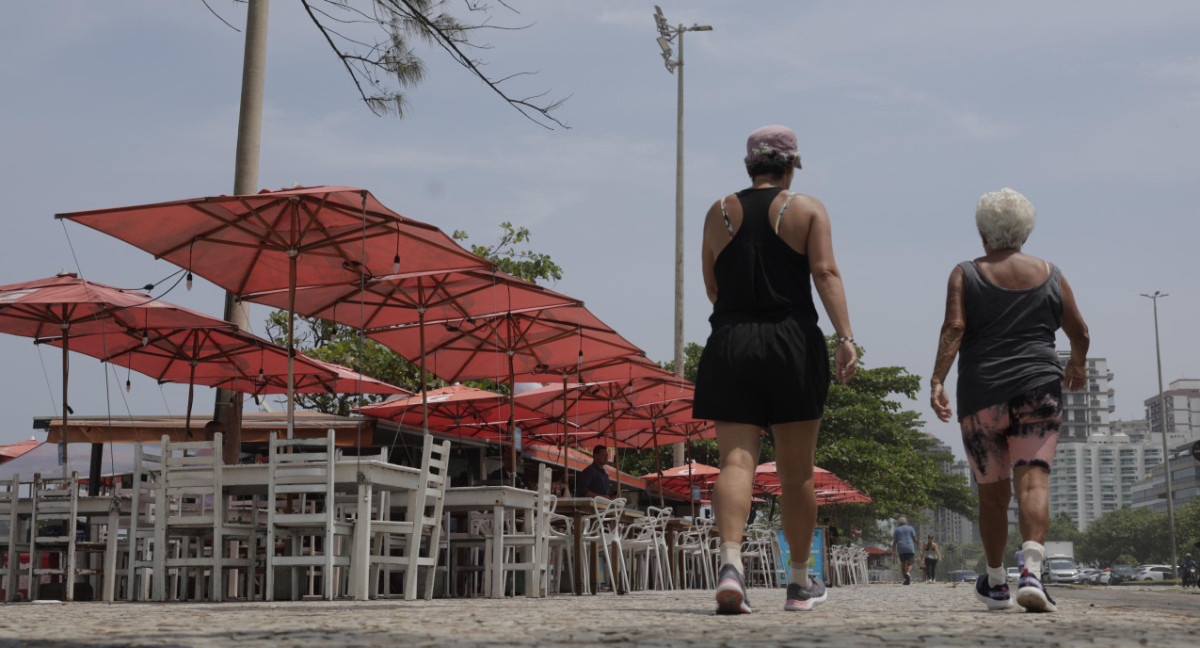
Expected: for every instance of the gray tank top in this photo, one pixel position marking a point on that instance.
(1008, 344)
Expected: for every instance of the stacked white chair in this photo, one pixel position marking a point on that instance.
(602, 530)
(412, 545)
(10, 567)
(143, 495)
(54, 529)
(692, 557)
(527, 548)
(561, 551)
(194, 543)
(302, 512)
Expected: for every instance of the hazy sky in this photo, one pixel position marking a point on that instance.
(906, 114)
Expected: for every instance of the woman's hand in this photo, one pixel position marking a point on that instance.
(940, 402)
(1075, 376)
(846, 360)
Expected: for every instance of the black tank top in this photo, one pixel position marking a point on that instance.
(759, 276)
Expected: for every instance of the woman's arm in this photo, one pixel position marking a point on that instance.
(948, 343)
(828, 281)
(714, 225)
(1075, 377)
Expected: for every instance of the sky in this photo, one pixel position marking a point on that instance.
(905, 112)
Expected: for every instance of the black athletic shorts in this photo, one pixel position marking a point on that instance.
(763, 372)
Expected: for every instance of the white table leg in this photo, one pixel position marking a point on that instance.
(497, 589)
(360, 557)
(110, 556)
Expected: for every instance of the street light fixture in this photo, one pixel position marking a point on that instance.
(667, 36)
(1162, 415)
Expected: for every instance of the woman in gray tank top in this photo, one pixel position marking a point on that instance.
(1002, 312)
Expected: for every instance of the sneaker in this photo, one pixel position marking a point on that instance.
(907, 580)
(803, 599)
(731, 592)
(1032, 595)
(996, 598)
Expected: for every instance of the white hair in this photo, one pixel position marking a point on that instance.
(1005, 218)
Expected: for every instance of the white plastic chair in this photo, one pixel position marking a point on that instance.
(54, 529)
(603, 527)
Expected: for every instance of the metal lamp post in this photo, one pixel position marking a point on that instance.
(667, 35)
(1162, 414)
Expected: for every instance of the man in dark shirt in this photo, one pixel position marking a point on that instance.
(505, 474)
(593, 480)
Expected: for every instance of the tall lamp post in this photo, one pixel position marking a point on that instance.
(667, 35)
(1162, 415)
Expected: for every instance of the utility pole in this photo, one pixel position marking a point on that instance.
(667, 35)
(1162, 415)
(228, 407)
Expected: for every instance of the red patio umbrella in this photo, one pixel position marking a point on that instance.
(280, 240)
(828, 485)
(457, 409)
(198, 356)
(339, 380)
(66, 306)
(421, 299)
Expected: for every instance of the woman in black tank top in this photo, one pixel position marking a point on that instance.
(765, 363)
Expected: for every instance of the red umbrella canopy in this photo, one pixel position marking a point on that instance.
(538, 344)
(457, 409)
(65, 303)
(201, 356)
(680, 478)
(829, 487)
(434, 298)
(245, 244)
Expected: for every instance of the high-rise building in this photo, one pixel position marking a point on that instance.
(1151, 492)
(1086, 412)
(945, 525)
(1183, 412)
(1098, 461)
(1096, 476)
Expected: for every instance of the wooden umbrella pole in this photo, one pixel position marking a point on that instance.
(612, 417)
(657, 461)
(512, 414)
(291, 386)
(62, 444)
(563, 442)
(424, 387)
(187, 421)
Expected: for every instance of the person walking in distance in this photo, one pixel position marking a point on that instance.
(904, 546)
(766, 363)
(1002, 312)
(932, 555)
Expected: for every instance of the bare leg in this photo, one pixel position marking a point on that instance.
(993, 519)
(738, 444)
(795, 447)
(1033, 502)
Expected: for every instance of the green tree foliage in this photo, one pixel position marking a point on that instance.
(1125, 533)
(871, 441)
(1062, 527)
(344, 345)
(513, 259)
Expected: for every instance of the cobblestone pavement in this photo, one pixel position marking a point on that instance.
(888, 615)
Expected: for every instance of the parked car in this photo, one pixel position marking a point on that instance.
(1152, 573)
(965, 576)
(1120, 574)
(1059, 569)
(1088, 577)
(1014, 573)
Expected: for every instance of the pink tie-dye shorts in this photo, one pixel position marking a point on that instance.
(1020, 432)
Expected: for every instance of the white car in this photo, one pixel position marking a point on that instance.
(1152, 573)
(1014, 573)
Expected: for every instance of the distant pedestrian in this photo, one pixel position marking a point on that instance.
(766, 363)
(1002, 312)
(904, 546)
(932, 555)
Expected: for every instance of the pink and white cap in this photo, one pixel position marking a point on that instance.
(780, 139)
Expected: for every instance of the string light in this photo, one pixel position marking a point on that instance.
(189, 280)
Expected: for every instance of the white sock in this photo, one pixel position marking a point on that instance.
(996, 576)
(731, 554)
(1033, 553)
(800, 573)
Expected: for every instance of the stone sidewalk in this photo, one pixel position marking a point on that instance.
(888, 615)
